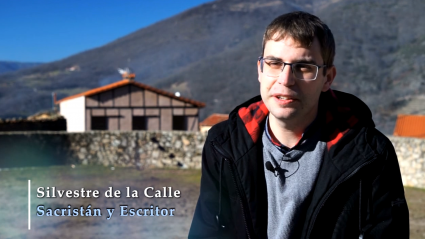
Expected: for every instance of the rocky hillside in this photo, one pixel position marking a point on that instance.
(209, 53)
(10, 66)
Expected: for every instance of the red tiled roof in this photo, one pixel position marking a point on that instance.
(214, 119)
(132, 82)
(410, 126)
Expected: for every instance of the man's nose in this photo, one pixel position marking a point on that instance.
(286, 77)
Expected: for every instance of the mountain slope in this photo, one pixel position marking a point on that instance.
(10, 66)
(209, 53)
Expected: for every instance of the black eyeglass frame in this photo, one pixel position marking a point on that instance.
(261, 60)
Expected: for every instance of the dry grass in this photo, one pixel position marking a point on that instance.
(416, 201)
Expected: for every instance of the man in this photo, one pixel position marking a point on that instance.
(301, 161)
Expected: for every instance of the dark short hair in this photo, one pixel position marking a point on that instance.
(302, 27)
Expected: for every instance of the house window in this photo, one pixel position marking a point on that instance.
(139, 123)
(179, 122)
(99, 123)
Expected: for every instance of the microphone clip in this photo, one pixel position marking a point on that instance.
(272, 169)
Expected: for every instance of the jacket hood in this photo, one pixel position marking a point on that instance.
(341, 112)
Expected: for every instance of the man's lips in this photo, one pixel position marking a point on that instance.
(284, 99)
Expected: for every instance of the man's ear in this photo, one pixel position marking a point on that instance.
(259, 70)
(329, 78)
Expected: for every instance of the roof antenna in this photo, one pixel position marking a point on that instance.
(53, 101)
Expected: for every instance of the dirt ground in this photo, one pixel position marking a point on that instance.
(14, 203)
(416, 201)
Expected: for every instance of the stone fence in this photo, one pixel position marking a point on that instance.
(139, 148)
(411, 158)
(178, 149)
(110, 148)
(31, 124)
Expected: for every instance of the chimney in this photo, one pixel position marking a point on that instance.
(128, 76)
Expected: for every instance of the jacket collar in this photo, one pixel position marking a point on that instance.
(342, 112)
(346, 121)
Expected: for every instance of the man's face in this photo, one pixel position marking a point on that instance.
(288, 99)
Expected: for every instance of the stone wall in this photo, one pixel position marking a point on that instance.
(411, 157)
(138, 148)
(110, 148)
(20, 124)
(146, 149)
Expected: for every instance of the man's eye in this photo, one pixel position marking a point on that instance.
(274, 63)
(304, 68)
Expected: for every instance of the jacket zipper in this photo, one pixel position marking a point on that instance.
(236, 185)
(310, 228)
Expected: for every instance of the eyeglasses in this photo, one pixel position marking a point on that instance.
(301, 71)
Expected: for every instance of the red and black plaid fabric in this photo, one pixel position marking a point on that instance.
(273, 138)
(338, 120)
(252, 116)
(334, 119)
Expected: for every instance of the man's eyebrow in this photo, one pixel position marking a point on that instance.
(309, 61)
(301, 60)
(273, 58)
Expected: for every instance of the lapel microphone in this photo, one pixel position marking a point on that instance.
(272, 169)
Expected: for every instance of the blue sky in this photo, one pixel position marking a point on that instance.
(49, 30)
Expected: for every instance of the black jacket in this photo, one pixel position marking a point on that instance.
(358, 191)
